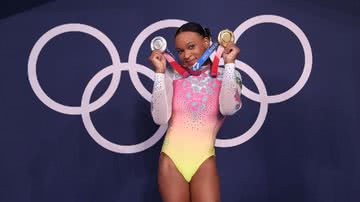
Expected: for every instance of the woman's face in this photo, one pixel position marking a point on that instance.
(190, 46)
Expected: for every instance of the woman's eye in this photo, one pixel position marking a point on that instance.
(179, 51)
(191, 47)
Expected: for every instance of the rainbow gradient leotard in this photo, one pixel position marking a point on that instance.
(195, 108)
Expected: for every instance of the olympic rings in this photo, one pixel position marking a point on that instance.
(117, 67)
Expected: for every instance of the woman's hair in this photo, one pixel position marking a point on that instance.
(193, 27)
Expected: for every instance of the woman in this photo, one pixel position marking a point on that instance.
(195, 108)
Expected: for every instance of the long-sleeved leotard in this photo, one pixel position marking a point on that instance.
(195, 108)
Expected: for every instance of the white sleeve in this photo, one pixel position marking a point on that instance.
(161, 100)
(229, 98)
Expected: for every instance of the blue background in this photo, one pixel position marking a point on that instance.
(307, 149)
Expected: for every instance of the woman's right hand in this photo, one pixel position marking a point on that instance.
(158, 60)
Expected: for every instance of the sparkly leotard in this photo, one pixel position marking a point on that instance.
(194, 107)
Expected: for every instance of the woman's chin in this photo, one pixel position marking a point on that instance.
(188, 65)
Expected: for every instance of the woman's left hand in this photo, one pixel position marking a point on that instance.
(231, 52)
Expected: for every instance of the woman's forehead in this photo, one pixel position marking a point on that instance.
(184, 38)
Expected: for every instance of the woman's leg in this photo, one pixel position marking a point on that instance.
(172, 185)
(205, 185)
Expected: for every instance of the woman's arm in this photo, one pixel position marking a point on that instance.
(161, 100)
(229, 98)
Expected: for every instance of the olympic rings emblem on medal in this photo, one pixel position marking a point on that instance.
(134, 68)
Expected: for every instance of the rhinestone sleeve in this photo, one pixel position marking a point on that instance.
(161, 98)
(230, 92)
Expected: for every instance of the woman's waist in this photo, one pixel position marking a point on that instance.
(191, 134)
(185, 141)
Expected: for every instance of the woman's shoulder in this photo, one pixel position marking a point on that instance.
(221, 71)
(172, 74)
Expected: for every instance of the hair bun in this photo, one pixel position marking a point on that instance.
(207, 32)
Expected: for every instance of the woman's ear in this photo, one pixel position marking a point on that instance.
(207, 42)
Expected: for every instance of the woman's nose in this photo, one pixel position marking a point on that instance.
(186, 54)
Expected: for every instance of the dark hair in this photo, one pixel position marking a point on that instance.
(193, 27)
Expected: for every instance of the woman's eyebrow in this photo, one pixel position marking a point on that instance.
(188, 43)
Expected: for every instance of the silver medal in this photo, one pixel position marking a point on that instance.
(158, 43)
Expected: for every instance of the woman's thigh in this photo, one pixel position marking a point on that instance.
(205, 185)
(172, 185)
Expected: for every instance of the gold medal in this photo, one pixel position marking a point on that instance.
(225, 36)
